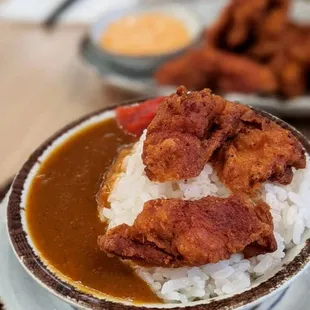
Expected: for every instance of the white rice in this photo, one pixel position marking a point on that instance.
(290, 208)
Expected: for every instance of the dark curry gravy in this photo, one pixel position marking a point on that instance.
(63, 219)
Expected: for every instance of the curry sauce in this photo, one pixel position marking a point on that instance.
(63, 219)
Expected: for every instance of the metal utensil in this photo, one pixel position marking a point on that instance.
(53, 17)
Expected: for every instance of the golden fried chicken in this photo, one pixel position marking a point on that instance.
(218, 70)
(262, 31)
(234, 73)
(186, 130)
(253, 47)
(174, 232)
(235, 24)
(247, 149)
(297, 42)
(270, 31)
(292, 76)
(261, 151)
(174, 148)
(291, 64)
(249, 26)
(184, 70)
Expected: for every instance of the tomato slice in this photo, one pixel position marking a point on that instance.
(134, 119)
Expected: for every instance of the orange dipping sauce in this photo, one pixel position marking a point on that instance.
(145, 34)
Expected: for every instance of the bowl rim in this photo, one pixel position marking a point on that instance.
(67, 292)
(141, 9)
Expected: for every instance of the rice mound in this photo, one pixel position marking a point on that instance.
(290, 209)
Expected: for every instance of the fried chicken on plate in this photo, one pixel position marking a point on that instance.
(253, 47)
(184, 70)
(174, 232)
(218, 70)
(262, 31)
(253, 27)
(291, 64)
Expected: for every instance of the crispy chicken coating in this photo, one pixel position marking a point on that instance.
(253, 47)
(291, 64)
(270, 31)
(174, 146)
(245, 26)
(187, 129)
(297, 42)
(174, 232)
(262, 31)
(234, 73)
(246, 148)
(261, 151)
(218, 70)
(184, 70)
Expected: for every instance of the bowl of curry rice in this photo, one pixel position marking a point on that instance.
(187, 200)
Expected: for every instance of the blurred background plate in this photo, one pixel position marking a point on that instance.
(114, 76)
(146, 85)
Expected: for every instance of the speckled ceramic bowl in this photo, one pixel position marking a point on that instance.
(270, 284)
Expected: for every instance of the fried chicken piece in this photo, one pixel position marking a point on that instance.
(270, 31)
(172, 156)
(246, 148)
(220, 71)
(297, 42)
(173, 148)
(235, 24)
(250, 27)
(292, 76)
(226, 126)
(183, 70)
(252, 48)
(262, 31)
(291, 64)
(186, 130)
(174, 232)
(235, 73)
(261, 151)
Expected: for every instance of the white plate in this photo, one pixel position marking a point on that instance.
(145, 85)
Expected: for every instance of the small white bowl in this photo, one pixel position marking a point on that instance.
(145, 63)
